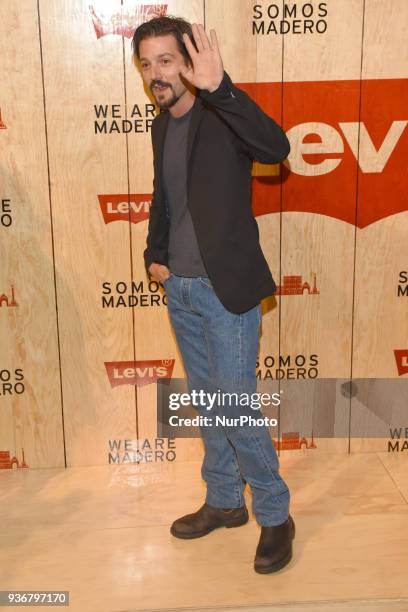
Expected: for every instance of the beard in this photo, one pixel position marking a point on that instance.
(164, 104)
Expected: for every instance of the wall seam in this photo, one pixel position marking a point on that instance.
(355, 229)
(52, 229)
(129, 225)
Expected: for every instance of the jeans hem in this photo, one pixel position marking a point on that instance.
(216, 503)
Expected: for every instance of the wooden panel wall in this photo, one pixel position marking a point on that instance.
(83, 334)
(31, 420)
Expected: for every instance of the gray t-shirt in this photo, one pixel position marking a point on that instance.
(184, 254)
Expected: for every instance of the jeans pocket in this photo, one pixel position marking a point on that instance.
(167, 279)
(204, 280)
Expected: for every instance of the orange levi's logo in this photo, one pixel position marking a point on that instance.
(124, 23)
(346, 161)
(138, 373)
(401, 357)
(123, 207)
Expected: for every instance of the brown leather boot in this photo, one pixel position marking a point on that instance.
(274, 549)
(206, 519)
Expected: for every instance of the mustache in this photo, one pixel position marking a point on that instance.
(160, 83)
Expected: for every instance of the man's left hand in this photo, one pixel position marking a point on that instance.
(207, 71)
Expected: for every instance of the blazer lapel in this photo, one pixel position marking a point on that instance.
(196, 117)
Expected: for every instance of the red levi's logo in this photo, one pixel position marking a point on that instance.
(346, 163)
(125, 23)
(138, 373)
(401, 357)
(123, 207)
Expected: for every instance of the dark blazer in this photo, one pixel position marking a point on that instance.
(227, 131)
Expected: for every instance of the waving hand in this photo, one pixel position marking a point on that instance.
(207, 71)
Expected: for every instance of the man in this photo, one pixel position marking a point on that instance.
(203, 244)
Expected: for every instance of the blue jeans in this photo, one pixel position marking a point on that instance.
(219, 351)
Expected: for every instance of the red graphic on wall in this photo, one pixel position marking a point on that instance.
(9, 463)
(123, 207)
(2, 124)
(138, 373)
(5, 299)
(401, 357)
(124, 23)
(292, 441)
(345, 163)
(293, 285)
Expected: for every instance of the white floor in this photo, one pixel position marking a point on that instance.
(102, 533)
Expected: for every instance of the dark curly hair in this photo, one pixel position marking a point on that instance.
(160, 26)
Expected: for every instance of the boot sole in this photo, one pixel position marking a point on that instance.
(199, 534)
(274, 567)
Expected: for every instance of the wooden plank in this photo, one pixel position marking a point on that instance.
(380, 308)
(84, 73)
(30, 404)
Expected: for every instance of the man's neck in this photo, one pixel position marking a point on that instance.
(183, 104)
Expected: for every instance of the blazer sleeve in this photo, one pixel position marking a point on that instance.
(158, 229)
(263, 139)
